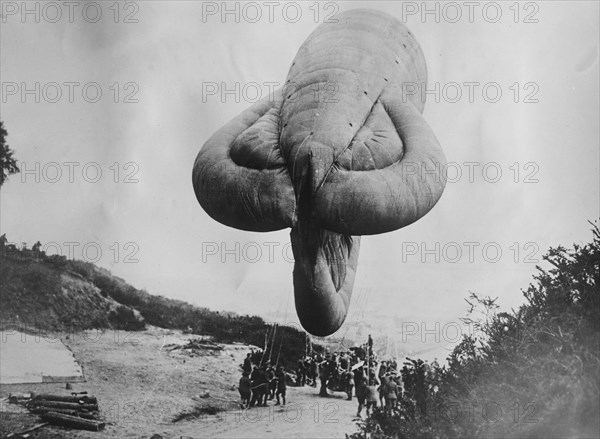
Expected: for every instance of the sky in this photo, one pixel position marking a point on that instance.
(108, 104)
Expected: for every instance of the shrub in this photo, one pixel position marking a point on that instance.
(124, 318)
(537, 367)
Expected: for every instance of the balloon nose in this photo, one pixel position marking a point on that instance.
(321, 160)
(313, 171)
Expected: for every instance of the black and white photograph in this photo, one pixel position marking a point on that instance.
(299, 219)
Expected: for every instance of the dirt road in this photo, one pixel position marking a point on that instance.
(142, 386)
(305, 416)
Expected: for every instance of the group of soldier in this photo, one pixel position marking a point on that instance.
(259, 384)
(356, 371)
(383, 387)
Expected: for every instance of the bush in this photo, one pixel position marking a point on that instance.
(536, 367)
(124, 318)
(84, 269)
(57, 261)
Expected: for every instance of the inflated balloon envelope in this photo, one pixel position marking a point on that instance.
(355, 159)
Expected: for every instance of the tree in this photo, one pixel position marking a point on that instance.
(7, 161)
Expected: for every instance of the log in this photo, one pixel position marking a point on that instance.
(64, 405)
(39, 410)
(72, 421)
(71, 398)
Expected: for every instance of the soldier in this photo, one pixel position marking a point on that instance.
(254, 382)
(281, 384)
(301, 373)
(308, 370)
(324, 373)
(272, 378)
(245, 389)
(382, 388)
(371, 398)
(314, 371)
(247, 367)
(391, 395)
(349, 381)
(382, 369)
(360, 382)
(259, 387)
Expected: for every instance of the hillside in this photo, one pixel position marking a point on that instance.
(48, 295)
(52, 293)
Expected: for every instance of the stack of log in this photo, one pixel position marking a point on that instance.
(74, 411)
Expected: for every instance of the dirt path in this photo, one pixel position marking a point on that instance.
(305, 416)
(142, 386)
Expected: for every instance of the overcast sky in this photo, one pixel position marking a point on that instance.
(166, 73)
